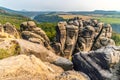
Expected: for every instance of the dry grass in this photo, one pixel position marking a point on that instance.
(69, 16)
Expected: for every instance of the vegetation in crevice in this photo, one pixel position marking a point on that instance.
(49, 29)
(116, 38)
(13, 50)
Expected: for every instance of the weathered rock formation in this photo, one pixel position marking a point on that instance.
(31, 68)
(35, 59)
(11, 44)
(98, 64)
(32, 33)
(61, 37)
(71, 39)
(27, 68)
(20, 46)
(8, 31)
(77, 35)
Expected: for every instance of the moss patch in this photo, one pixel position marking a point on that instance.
(13, 50)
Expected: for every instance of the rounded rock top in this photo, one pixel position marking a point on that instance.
(31, 23)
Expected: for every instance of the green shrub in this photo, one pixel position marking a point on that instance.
(116, 38)
(49, 29)
(13, 50)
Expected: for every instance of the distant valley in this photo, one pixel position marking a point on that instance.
(111, 17)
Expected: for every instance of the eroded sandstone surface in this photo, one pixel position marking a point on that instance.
(83, 50)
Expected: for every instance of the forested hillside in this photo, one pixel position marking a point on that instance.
(48, 18)
(49, 29)
(12, 18)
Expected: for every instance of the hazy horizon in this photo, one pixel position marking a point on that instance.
(61, 5)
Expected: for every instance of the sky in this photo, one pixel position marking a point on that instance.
(61, 5)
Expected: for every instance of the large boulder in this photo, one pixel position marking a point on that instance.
(31, 68)
(27, 68)
(8, 31)
(20, 46)
(32, 33)
(99, 64)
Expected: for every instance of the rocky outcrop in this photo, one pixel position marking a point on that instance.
(99, 64)
(8, 31)
(26, 68)
(77, 35)
(35, 59)
(65, 39)
(61, 37)
(31, 68)
(20, 46)
(72, 35)
(32, 33)
(11, 45)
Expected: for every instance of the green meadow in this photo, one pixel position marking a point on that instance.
(110, 20)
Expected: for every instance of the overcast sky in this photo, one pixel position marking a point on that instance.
(61, 5)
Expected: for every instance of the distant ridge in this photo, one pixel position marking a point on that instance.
(32, 14)
(7, 10)
(26, 13)
(2, 11)
(104, 11)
